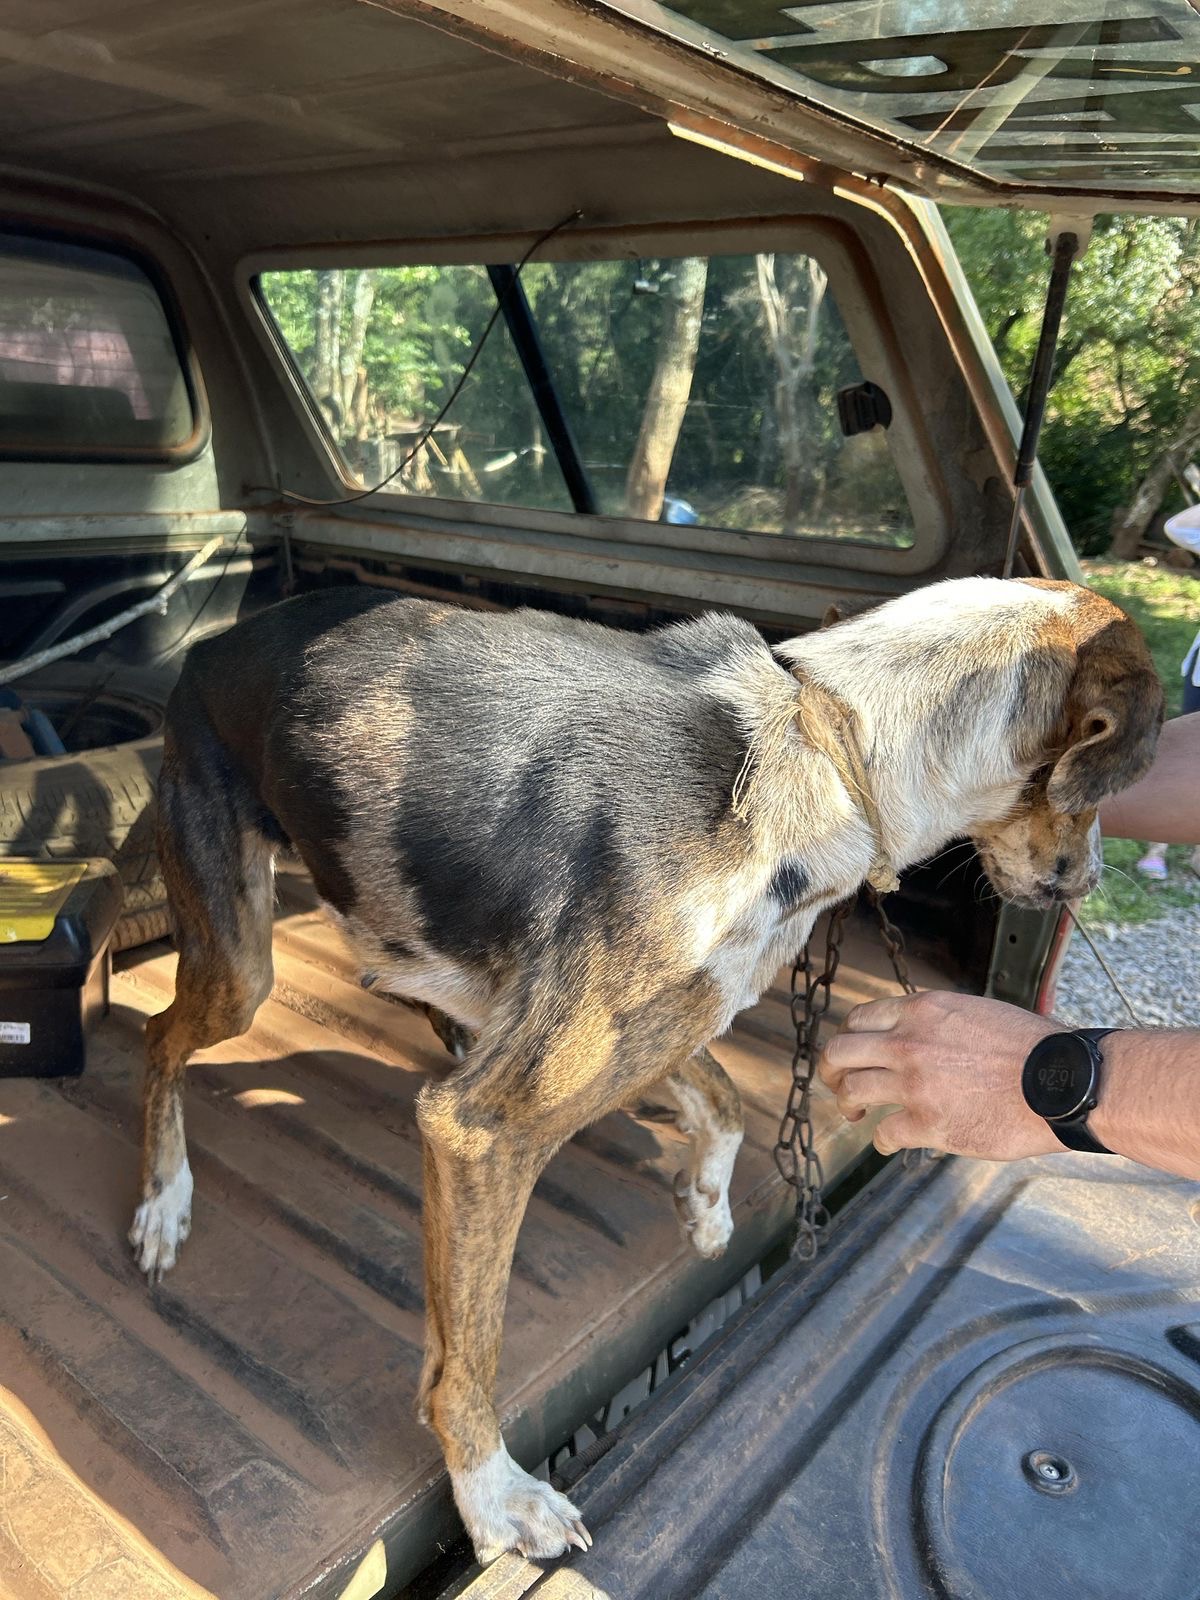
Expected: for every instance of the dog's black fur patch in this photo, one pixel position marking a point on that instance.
(790, 884)
(544, 768)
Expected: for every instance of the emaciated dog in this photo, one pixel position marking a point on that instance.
(590, 850)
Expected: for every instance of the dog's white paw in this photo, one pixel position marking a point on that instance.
(504, 1508)
(704, 1215)
(161, 1224)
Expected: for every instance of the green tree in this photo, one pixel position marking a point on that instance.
(1124, 414)
(711, 380)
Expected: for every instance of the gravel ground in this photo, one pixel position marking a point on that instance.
(1156, 963)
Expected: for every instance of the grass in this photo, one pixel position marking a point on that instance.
(1125, 897)
(1165, 603)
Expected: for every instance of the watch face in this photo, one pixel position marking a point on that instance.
(1059, 1076)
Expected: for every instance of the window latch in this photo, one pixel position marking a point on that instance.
(861, 407)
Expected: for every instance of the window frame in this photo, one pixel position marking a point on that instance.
(14, 227)
(861, 306)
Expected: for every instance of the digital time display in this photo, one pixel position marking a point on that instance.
(1054, 1079)
(1058, 1076)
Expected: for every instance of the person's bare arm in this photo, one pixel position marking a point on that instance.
(1165, 805)
(951, 1066)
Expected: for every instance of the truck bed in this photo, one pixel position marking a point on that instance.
(987, 1388)
(246, 1428)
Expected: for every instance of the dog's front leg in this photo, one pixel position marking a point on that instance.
(220, 882)
(164, 1215)
(482, 1159)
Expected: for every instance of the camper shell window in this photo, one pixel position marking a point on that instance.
(692, 390)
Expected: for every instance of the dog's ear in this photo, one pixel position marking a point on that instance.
(1113, 712)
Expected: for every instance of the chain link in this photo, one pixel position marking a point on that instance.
(894, 941)
(796, 1147)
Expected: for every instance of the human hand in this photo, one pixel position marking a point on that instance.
(951, 1063)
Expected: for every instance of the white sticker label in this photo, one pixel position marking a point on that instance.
(14, 1033)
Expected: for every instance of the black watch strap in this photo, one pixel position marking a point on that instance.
(1076, 1134)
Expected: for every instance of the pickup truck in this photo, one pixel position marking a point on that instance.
(259, 285)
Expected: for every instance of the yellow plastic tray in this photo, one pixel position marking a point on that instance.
(32, 893)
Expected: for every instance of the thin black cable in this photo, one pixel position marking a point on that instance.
(364, 494)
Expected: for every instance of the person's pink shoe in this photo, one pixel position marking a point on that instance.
(1153, 866)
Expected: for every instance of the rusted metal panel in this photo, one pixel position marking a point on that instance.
(246, 1428)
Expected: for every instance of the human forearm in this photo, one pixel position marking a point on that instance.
(1149, 1105)
(1165, 805)
(948, 1067)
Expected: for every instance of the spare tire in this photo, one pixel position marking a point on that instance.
(99, 798)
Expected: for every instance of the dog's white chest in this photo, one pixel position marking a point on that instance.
(745, 957)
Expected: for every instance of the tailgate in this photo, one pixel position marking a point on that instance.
(987, 1387)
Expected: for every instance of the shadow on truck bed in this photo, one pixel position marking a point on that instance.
(247, 1426)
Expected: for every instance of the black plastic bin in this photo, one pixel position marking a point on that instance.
(52, 988)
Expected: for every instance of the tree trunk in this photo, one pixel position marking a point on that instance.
(1130, 522)
(818, 282)
(666, 403)
(805, 404)
(787, 378)
(329, 337)
(350, 356)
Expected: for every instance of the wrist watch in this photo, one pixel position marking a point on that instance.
(1061, 1082)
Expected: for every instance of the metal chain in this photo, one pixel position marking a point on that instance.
(796, 1148)
(894, 941)
(1105, 968)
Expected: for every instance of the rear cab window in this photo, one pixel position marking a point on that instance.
(696, 390)
(90, 364)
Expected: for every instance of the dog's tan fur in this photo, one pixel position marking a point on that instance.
(1005, 711)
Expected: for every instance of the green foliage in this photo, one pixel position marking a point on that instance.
(600, 325)
(1124, 896)
(398, 348)
(1128, 369)
(1165, 604)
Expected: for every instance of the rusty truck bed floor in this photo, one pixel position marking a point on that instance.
(246, 1429)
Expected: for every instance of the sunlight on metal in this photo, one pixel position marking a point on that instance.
(369, 1576)
(255, 1099)
(723, 147)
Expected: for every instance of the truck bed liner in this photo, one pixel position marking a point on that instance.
(987, 1388)
(245, 1429)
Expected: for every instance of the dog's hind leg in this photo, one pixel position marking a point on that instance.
(710, 1111)
(219, 873)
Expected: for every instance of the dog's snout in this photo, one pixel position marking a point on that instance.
(1053, 888)
(1053, 891)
